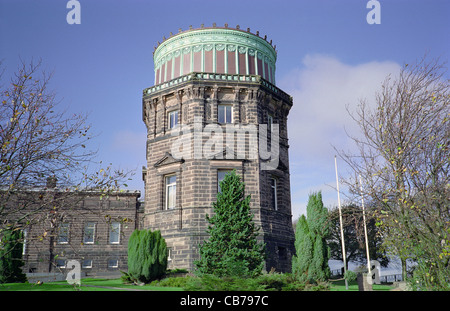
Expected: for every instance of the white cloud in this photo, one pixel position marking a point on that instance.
(322, 88)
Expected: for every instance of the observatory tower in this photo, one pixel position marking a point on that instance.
(215, 108)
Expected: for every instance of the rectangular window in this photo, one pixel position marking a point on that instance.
(173, 119)
(220, 176)
(170, 191)
(273, 186)
(24, 247)
(114, 233)
(113, 263)
(89, 233)
(63, 234)
(61, 263)
(87, 264)
(225, 114)
(269, 122)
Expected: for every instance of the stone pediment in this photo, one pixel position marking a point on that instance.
(222, 155)
(167, 159)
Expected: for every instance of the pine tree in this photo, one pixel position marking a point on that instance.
(304, 248)
(147, 256)
(232, 248)
(310, 264)
(11, 257)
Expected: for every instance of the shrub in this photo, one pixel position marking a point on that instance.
(350, 276)
(172, 282)
(147, 256)
(265, 282)
(210, 282)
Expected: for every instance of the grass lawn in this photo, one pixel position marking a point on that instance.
(64, 286)
(88, 284)
(339, 285)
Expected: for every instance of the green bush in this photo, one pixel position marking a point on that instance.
(264, 282)
(172, 282)
(350, 276)
(11, 257)
(147, 256)
(210, 282)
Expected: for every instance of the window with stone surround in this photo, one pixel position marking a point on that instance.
(113, 263)
(273, 188)
(225, 114)
(170, 192)
(87, 264)
(220, 176)
(269, 122)
(89, 233)
(63, 233)
(169, 254)
(61, 263)
(114, 233)
(172, 119)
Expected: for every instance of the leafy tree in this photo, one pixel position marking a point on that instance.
(402, 156)
(11, 257)
(147, 256)
(45, 164)
(355, 244)
(232, 248)
(310, 264)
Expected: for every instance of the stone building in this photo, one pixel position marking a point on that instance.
(215, 108)
(87, 226)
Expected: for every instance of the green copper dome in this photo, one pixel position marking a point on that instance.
(218, 50)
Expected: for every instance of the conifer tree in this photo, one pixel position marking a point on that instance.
(147, 255)
(232, 248)
(310, 264)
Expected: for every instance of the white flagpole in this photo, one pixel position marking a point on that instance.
(340, 221)
(365, 227)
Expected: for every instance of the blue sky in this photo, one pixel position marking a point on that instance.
(328, 57)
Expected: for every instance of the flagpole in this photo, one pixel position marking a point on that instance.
(365, 227)
(340, 221)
